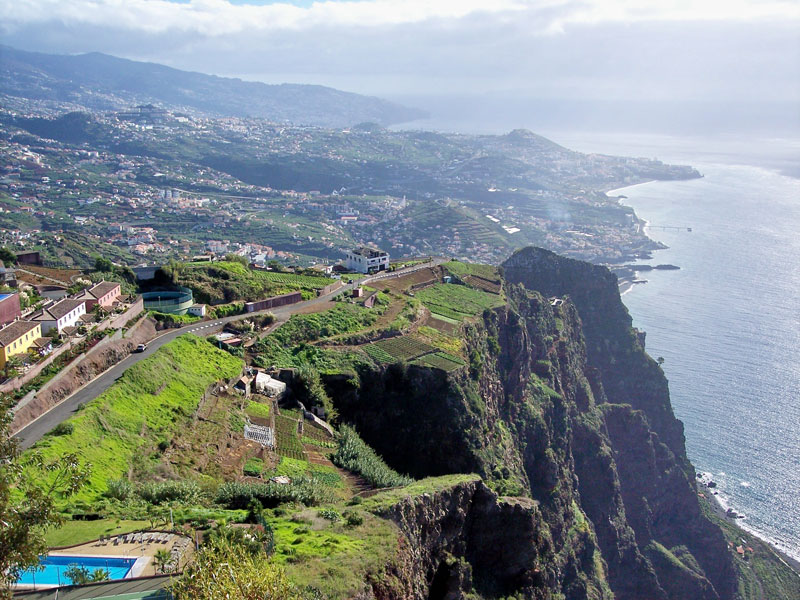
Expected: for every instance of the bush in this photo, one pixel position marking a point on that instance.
(253, 467)
(187, 492)
(236, 495)
(356, 456)
(353, 519)
(330, 515)
(119, 489)
(65, 428)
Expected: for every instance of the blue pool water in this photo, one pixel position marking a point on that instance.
(55, 566)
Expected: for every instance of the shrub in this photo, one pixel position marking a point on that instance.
(223, 569)
(353, 519)
(119, 489)
(330, 515)
(236, 495)
(65, 428)
(355, 455)
(186, 491)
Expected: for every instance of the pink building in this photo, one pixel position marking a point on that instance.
(104, 293)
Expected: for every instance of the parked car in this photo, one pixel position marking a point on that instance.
(141, 348)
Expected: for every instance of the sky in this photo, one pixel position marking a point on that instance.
(740, 58)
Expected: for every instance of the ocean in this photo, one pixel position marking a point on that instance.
(728, 323)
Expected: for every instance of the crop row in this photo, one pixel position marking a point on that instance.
(404, 347)
(307, 281)
(286, 441)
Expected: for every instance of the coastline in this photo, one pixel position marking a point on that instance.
(714, 504)
(718, 506)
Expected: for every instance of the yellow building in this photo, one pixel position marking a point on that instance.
(16, 338)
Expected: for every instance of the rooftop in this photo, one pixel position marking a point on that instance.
(59, 309)
(102, 288)
(15, 330)
(369, 252)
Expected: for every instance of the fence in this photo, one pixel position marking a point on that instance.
(330, 288)
(274, 302)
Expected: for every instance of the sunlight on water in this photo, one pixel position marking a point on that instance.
(727, 326)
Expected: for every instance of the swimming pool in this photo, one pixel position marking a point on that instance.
(56, 566)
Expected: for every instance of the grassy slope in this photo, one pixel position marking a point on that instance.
(337, 558)
(146, 404)
(230, 281)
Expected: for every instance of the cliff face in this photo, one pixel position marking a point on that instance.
(560, 406)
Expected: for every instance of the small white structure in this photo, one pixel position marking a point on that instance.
(264, 384)
(367, 260)
(63, 314)
(198, 310)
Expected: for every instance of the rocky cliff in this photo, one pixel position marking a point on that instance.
(561, 407)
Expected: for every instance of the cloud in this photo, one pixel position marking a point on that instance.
(589, 49)
(220, 17)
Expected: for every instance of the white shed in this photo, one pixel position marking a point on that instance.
(269, 386)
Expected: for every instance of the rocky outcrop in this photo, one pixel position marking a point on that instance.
(559, 405)
(466, 540)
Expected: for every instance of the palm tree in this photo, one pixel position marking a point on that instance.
(162, 559)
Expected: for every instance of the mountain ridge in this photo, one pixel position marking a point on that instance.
(100, 81)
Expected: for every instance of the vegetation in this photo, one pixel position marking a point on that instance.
(430, 485)
(343, 318)
(28, 505)
(223, 570)
(356, 456)
(228, 281)
(258, 409)
(464, 269)
(304, 490)
(332, 558)
(457, 301)
(147, 404)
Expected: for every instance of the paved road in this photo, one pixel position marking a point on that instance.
(66, 408)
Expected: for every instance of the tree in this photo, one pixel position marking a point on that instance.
(7, 256)
(237, 258)
(13, 365)
(27, 503)
(103, 265)
(162, 558)
(275, 266)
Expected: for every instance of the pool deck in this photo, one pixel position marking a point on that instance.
(142, 551)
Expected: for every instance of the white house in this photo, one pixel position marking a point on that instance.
(62, 314)
(198, 310)
(367, 260)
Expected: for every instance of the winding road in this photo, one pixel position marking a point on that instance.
(37, 429)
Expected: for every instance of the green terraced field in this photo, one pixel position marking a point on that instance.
(286, 441)
(457, 301)
(400, 348)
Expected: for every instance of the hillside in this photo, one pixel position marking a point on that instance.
(101, 82)
(490, 443)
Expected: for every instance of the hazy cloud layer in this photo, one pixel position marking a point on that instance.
(686, 50)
